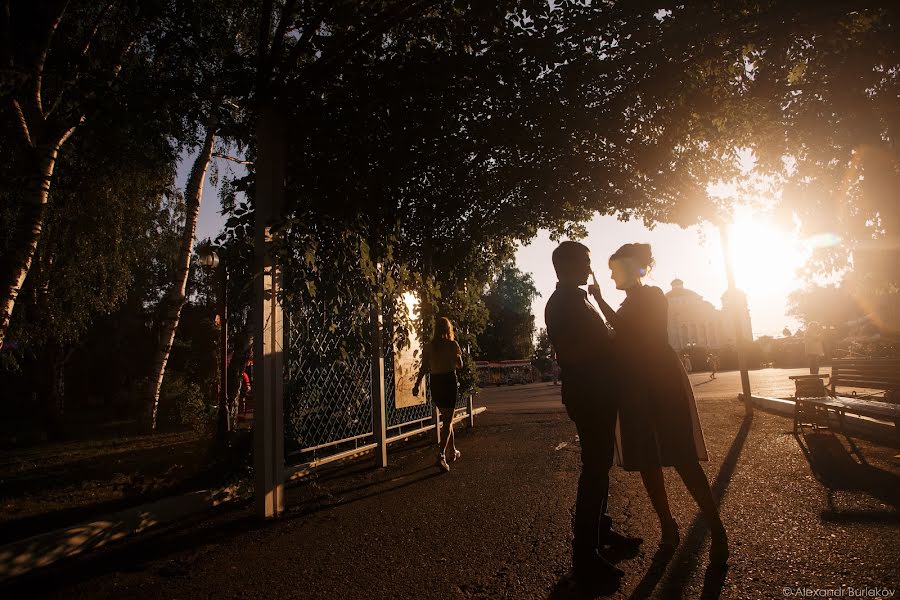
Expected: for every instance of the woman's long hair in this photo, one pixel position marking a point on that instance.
(443, 330)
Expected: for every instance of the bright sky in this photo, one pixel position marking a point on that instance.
(765, 264)
(210, 223)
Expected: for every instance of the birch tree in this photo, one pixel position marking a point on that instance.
(58, 57)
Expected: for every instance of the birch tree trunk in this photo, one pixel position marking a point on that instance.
(28, 233)
(176, 296)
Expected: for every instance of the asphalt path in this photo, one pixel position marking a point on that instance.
(545, 397)
(808, 516)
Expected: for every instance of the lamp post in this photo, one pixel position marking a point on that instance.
(209, 258)
(737, 309)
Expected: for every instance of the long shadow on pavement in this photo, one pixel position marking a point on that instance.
(684, 563)
(349, 495)
(841, 470)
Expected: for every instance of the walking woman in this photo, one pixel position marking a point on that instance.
(441, 357)
(658, 421)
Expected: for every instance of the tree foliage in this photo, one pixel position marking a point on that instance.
(509, 333)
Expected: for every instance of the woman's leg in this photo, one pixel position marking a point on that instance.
(446, 430)
(698, 485)
(655, 485)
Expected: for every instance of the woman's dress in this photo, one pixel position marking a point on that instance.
(658, 422)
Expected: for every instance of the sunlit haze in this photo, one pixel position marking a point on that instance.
(766, 259)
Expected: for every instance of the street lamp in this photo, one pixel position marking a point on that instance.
(209, 258)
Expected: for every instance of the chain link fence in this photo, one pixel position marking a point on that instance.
(329, 397)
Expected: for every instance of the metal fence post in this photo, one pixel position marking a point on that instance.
(471, 400)
(378, 408)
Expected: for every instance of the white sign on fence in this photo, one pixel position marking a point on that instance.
(405, 364)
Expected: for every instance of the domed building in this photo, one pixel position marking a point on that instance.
(694, 321)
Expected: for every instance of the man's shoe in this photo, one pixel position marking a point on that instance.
(592, 567)
(614, 539)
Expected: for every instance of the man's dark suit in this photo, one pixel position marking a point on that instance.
(585, 355)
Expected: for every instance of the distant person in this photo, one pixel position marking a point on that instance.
(586, 358)
(441, 357)
(713, 361)
(554, 369)
(658, 421)
(245, 392)
(688, 366)
(815, 348)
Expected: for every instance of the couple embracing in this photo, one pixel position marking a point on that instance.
(627, 392)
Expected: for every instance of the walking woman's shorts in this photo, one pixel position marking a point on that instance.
(444, 389)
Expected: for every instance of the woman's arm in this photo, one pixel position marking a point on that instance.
(608, 313)
(459, 360)
(426, 364)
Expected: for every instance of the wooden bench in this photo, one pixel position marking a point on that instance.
(813, 400)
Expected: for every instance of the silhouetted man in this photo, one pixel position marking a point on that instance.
(585, 354)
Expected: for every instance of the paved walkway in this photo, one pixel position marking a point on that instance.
(810, 514)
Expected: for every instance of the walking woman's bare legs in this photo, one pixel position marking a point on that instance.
(655, 485)
(448, 439)
(698, 485)
(448, 448)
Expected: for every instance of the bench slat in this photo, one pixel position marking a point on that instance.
(866, 361)
(889, 373)
(867, 383)
(859, 407)
(874, 373)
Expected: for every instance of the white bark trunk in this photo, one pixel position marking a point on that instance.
(29, 234)
(176, 296)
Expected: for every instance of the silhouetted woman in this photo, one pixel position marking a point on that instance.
(658, 421)
(441, 357)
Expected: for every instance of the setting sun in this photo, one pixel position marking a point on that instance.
(766, 257)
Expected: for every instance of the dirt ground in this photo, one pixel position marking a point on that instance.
(53, 485)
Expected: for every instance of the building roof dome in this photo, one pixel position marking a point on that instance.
(678, 290)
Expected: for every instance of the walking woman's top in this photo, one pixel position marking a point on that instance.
(441, 355)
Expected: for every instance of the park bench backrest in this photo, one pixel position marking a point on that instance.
(870, 373)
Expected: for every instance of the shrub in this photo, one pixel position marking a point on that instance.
(182, 404)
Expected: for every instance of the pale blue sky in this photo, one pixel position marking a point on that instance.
(210, 223)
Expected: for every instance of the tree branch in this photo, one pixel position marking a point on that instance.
(76, 72)
(232, 158)
(312, 26)
(280, 29)
(23, 123)
(70, 131)
(95, 29)
(42, 60)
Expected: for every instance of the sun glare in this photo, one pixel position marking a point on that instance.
(766, 257)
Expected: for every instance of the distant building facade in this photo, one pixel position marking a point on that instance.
(694, 321)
